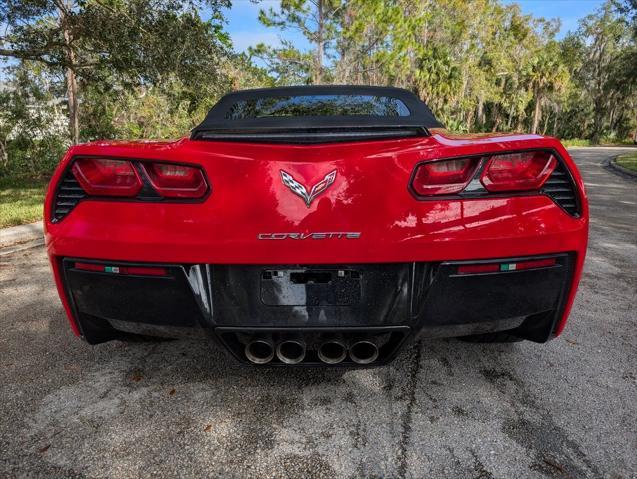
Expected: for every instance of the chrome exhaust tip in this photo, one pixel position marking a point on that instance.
(291, 351)
(259, 351)
(332, 351)
(363, 352)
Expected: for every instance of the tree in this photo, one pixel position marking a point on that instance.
(31, 122)
(547, 75)
(608, 40)
(317, 21)
(136, 41)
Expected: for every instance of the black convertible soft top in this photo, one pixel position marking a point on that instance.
(316, 114)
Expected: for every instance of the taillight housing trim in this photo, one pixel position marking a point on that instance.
(476, 190)
(147, 193)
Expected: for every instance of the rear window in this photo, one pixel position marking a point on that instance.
(317, 105)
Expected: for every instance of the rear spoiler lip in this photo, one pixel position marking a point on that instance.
(315, 135)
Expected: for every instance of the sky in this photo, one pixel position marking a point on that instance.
(245, 29)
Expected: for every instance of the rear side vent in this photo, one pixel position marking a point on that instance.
(68, 195)
(561, 189)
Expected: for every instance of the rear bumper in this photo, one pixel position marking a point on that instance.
(394, 302)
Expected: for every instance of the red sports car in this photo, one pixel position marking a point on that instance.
(318, 225)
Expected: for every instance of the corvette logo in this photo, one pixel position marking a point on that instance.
(300, 190)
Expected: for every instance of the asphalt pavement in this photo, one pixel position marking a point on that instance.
(444, 408)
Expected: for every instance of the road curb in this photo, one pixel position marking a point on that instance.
(21, 234)
(619, 170)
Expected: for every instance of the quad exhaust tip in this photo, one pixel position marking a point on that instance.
(332, 352)
(291, 351)
(363, 352)
(259, 351)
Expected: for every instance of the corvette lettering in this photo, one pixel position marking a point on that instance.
(304, 236)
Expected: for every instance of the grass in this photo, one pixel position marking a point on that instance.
(21, 201)
(628, 161)
(571, 142)
(575, 142)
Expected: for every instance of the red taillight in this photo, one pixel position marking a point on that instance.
(518, 171)
(177, 181)
(444, 177)
(105, 177)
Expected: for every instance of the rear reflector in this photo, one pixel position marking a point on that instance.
(134, 270)
(501, 267)
(177, 181)
(90, 267)
(444, 177)
(518, 171)
(478, 268)
(105, 177)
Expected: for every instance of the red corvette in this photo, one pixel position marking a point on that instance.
(318, 226)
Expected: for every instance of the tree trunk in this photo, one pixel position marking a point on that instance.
(4, 155)
(74, 120)
(318, 75)
(546, 123)
(470, 120)
(71, 78)
(537, 112)
(497, 118)
(480, 115)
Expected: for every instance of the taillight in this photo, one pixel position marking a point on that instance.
(444, 177)
(176, 181)
(106, 177)
(518, 171)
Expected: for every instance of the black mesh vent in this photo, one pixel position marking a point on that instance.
(561, 189)
(68, 195)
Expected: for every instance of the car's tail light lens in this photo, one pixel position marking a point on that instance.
(444, 177)
(106, 177)
(518, 171)
(177, 181)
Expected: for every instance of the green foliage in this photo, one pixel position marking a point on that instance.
(114, 68)
(576, 142)
(480, 65)
(152, 68)
(32, 128)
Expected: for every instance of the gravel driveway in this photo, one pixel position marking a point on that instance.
(443, 409)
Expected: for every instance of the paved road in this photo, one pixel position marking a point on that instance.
(442, 409)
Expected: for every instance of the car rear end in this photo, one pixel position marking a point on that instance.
(318, 245)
